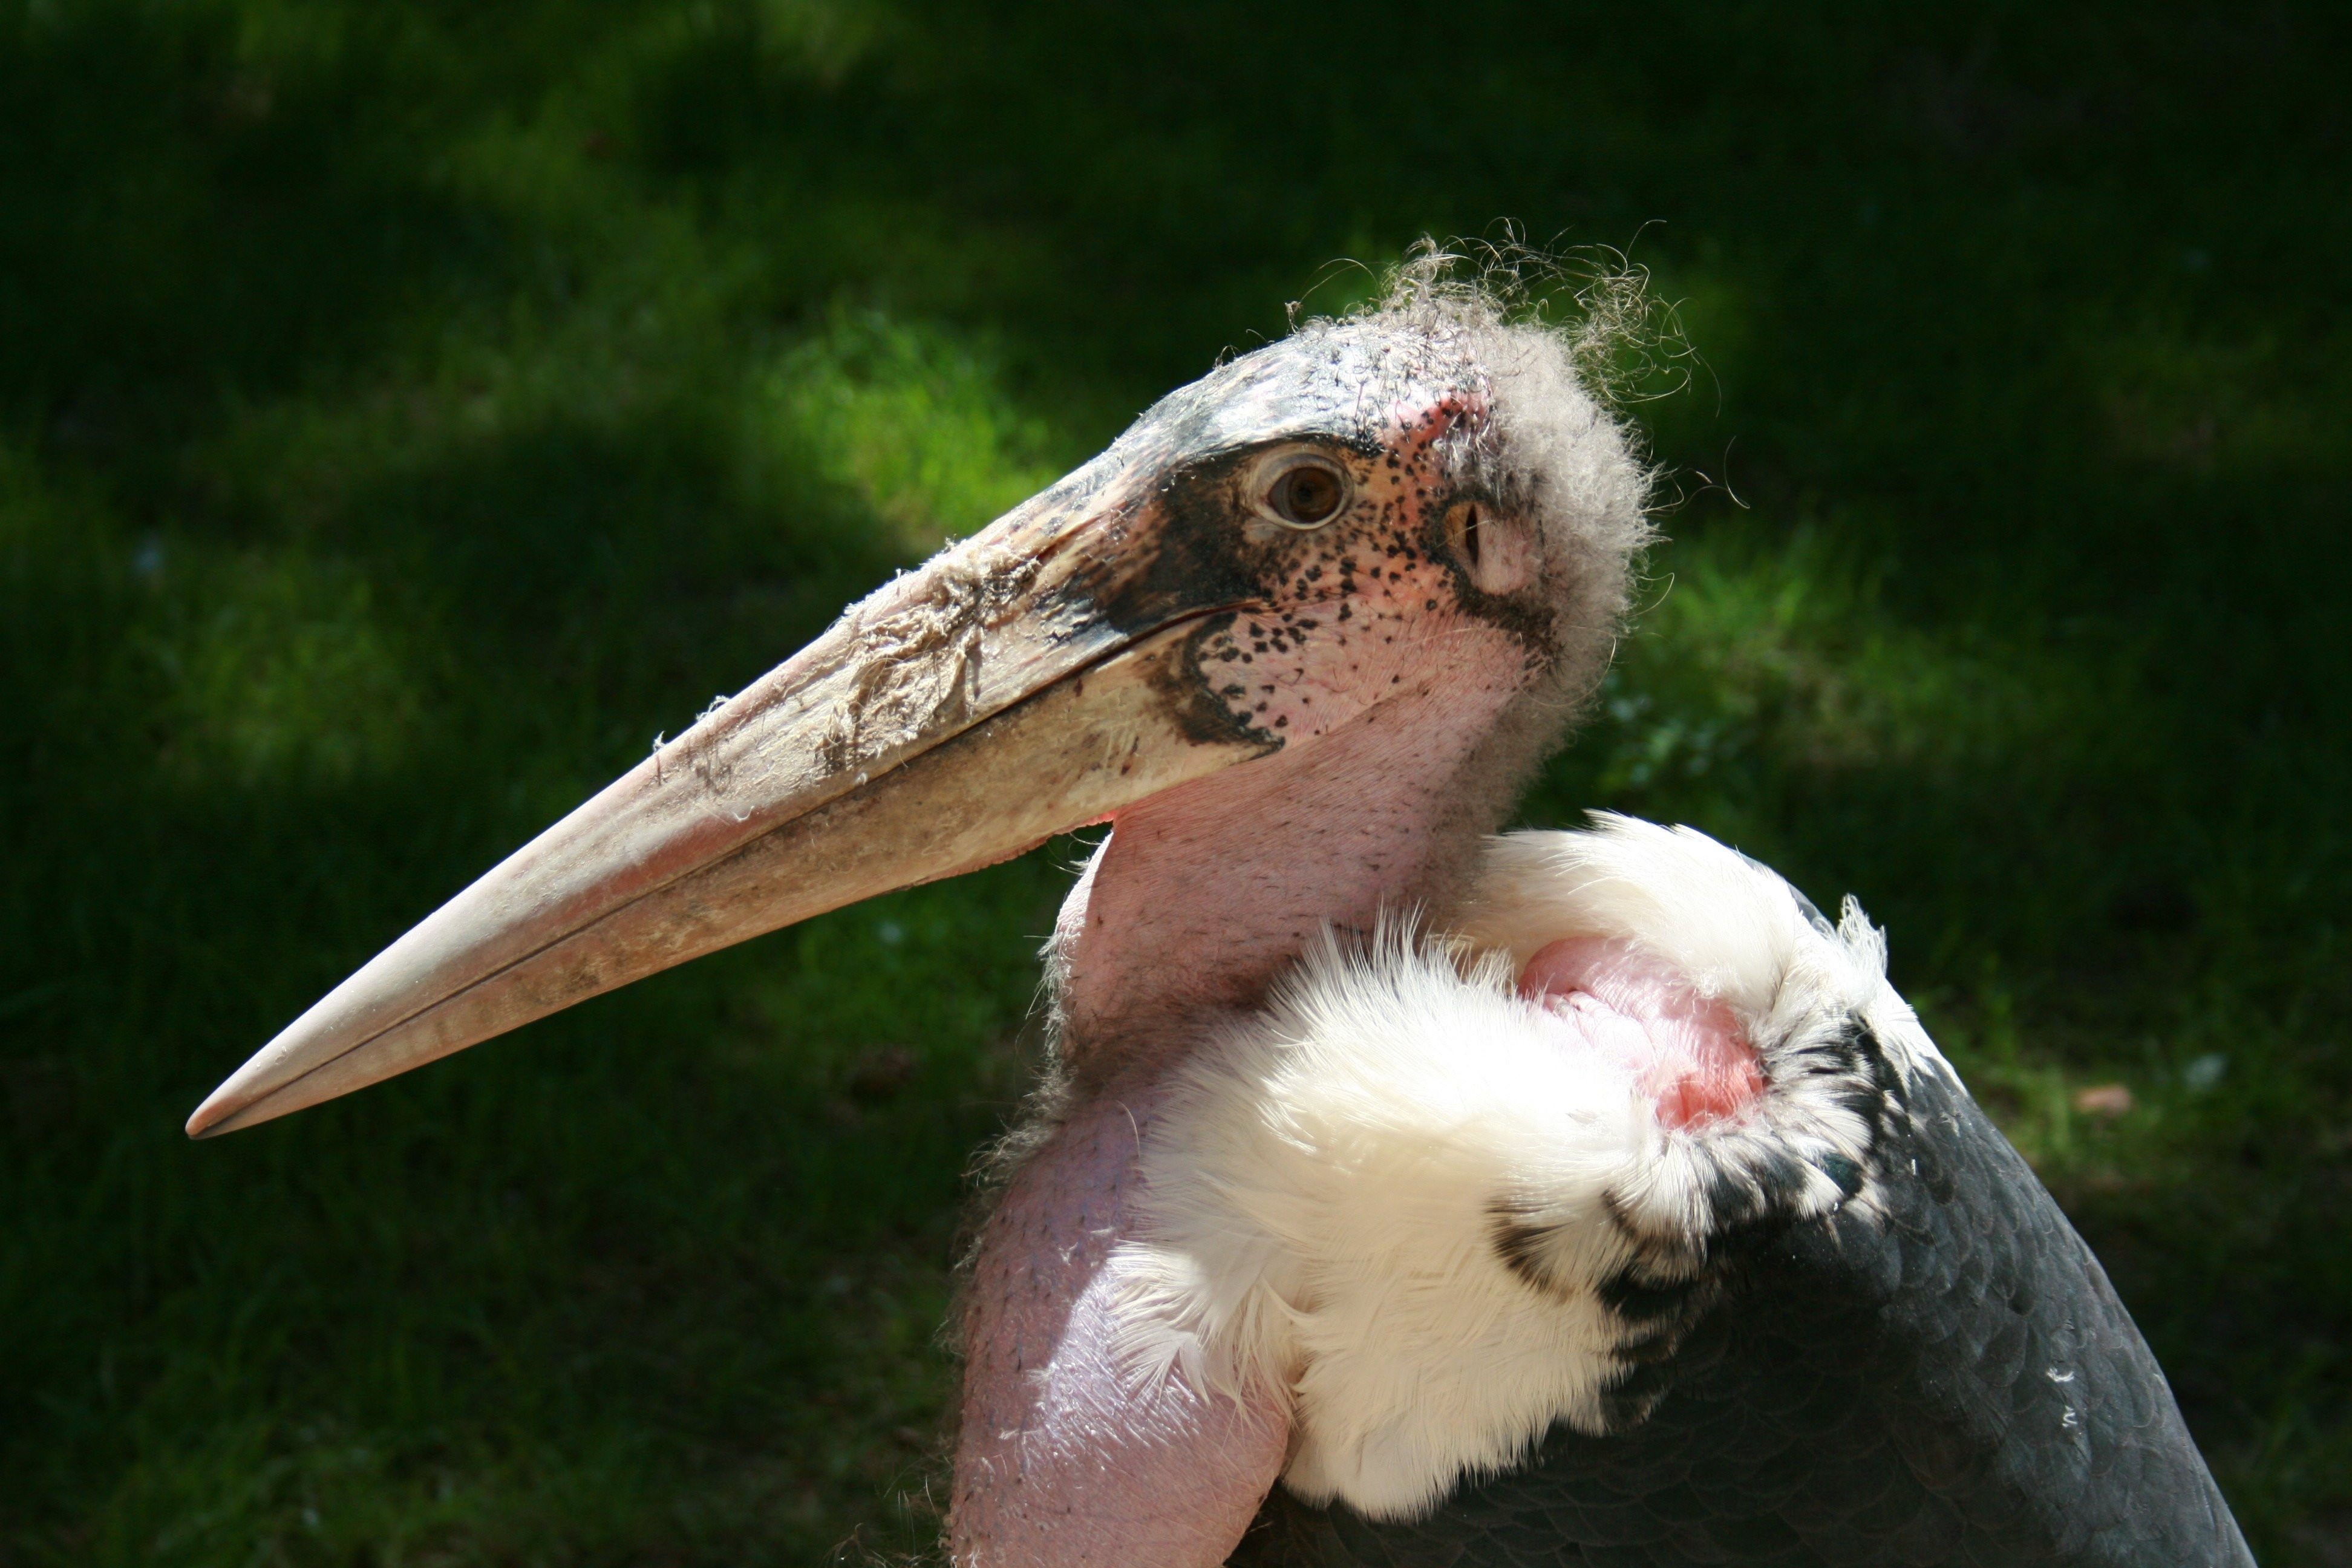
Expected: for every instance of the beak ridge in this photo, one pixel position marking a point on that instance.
(958, 717)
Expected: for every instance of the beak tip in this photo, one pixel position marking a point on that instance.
(216, 1115)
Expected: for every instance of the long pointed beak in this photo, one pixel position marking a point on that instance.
(1032, 679)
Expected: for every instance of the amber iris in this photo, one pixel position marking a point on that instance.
(1306, 495)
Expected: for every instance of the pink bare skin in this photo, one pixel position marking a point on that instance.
(1065, 1458)
(1200, 897)
(1384, 692)
(1198, 900)
(1686, 1051)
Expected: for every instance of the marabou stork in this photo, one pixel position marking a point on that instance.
(1405, 1195)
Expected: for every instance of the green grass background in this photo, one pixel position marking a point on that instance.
(406, 411)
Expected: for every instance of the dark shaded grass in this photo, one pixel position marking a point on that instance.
(408, 412)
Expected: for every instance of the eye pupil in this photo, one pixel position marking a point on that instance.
(1470, 531)
(1307, 494)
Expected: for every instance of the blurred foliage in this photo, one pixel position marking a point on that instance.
(408, 411)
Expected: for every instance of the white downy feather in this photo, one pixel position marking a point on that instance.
(1398, 1191)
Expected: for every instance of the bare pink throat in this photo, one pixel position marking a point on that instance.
(1201, 898)
(1685, 1049)
(1067, 1456)
(1205, 894)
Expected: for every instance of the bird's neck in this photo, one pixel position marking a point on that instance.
(1202, 896)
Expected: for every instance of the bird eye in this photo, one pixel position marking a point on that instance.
(1306, 495)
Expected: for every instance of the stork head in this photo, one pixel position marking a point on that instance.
(1420, 503)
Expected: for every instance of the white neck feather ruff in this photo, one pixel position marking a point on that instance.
(1404, 1195)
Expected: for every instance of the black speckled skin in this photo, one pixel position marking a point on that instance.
(1956, 1383)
